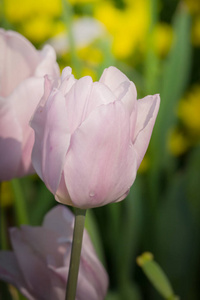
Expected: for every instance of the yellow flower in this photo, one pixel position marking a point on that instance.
(177, 142)
(91, 54)
(6, 194)
(38, 29)
(189, 111)
(128, 27)
(18, 10)
(82, 1)
(162, 36)
(144, 166)
(193, 6)
(196, 32)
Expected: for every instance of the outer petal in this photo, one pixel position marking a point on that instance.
(60, 220)
(113, 77)
(142, 130)
(45, 243)
(121, 86)
(77, 102)
(47, 63)
(83, 98)
(30, 265)
(18, 60)
(10, 138)
(24, 100)
(51, 139)
(94, 279)
(9, 269)
(100, 164)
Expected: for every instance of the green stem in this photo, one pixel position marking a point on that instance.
(20, 205)
(75, 254)
(3, 238)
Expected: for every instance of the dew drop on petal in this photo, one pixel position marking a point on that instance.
(92, 194)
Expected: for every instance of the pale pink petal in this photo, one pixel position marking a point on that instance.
(30, 265)
(62, 194)
(10, 138)
(121, 86)
(51, 139)
(67, 80)
(18, 60)
(60, 220)
(141, 130)
(47, 64)
(77, 101)
(45, 243)
(113, 77)
(101, 163)
(10, 273)
(126, 92)
(24, 100)
(100, 94)
(93, 279)
(58, 283)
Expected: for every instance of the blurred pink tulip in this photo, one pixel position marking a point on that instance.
(90, 137)
(22, 71)
(39, 263)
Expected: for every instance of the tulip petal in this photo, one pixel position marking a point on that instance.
(9, 269)
(121, 86)
(47, 64)
(9, 139)
(67, 80)
(24, 100)
(141, 130)
(30, 264)
(18, 59)
(101, 163)
(51, 139)
(60, 220)
(77, 102)
(97, 282)
(43, 241)
(113, 77)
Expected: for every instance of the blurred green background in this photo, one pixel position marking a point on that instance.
(157, 45)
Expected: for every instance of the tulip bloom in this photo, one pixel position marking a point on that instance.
(90, 137)
(22, 73)
(39, 263)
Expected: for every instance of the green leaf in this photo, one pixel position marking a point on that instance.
(156, 275)
(175, 77)
(92, 228)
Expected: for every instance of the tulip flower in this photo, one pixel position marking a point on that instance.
(22, 73)
(90, 137)
(38, 265)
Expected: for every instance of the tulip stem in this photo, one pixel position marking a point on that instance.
(75, 254)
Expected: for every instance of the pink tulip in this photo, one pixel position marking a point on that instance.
(22, 71)
(90, 137)
(39, 263)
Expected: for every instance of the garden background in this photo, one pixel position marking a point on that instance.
(157, 45)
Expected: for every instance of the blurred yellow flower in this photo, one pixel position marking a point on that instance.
(38, 29)
(18, 10)
(177, 142)
(82, 1)
(128, 27)
(144, 166)
(162, 38)
(189, 111)
(193, 6)
(6, 194)
(91, 54)
(196, 32)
